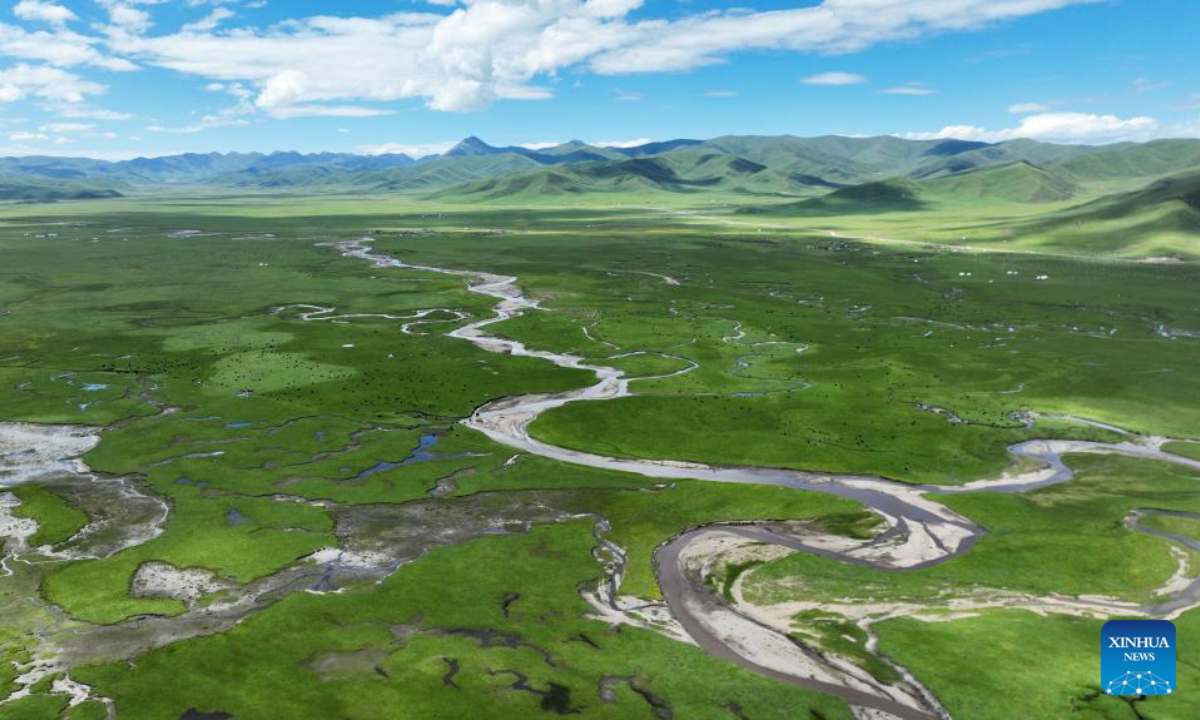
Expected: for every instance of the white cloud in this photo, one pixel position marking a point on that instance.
(63, 128)
(59, 47)
(412, 150)
(465, 58)
(209, 22)
(342, 111)
(1028, 108)
(720, 93)
(452, 56)
(833, 26)
(94, 153)
(914, 89)
(38, 11)
(209, 121)
(539, 145)
(1058, 127)
(834, 79)
(47, 83)
(623, 143)
(231, 115)
(87, 113)
(283, 89)
(125, 16)
(26, 136)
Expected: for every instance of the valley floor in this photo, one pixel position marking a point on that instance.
(394, 465)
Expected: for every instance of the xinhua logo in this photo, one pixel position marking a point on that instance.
(1137, 657)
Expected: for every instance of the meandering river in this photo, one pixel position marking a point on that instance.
(922, 532)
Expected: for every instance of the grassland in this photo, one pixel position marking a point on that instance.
(387, 653)
(1183, 526)
(1050, 663)
(792, 348)
(1026, 549)
(57, 519)
(1186, 449)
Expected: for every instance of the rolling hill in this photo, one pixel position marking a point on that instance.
(1162, 218)
(630, 175)
(35, 189)
(1020, 182)
(689, 169)
(1137, 199)
(880, 196)
(1022, 171)
(410, 177)
(1014, 182)
(1130, 161)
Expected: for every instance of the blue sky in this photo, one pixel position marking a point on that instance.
(120, 78)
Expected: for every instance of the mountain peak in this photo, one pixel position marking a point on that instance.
(471, 146)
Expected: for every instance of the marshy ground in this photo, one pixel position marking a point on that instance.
(285, 508)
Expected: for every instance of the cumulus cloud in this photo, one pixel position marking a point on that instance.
(126, 16)
(59, 46)
(46, 83)
(451, 55)
(37, 11)
(463, 58)
(283, 89)
(1057, 127)
(834, 79)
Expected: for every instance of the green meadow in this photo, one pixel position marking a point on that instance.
(769, 338)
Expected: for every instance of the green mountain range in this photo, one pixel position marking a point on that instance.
(779, 167)
(1105, 195)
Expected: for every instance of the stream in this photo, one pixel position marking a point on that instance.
(921, 531)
